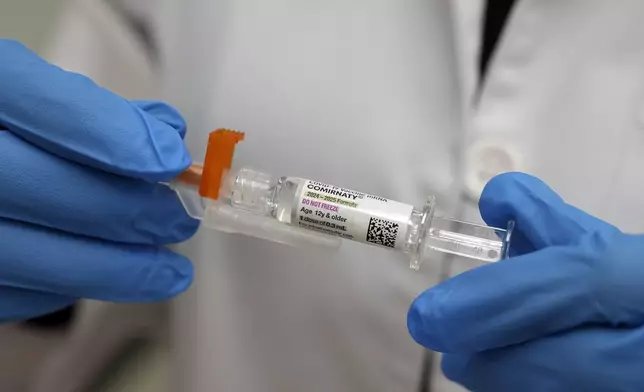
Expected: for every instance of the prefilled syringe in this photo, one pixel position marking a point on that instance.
(303, 212)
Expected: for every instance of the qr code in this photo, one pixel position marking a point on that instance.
(382, 232)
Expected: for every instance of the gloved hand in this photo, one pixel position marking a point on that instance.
(81, 212)
(566, 313)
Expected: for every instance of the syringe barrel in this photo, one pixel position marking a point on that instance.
(302, 212)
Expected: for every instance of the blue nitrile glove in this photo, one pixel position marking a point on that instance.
(81, 212)
(565, 314)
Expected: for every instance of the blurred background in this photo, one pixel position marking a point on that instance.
(28, 20)
(132, 352)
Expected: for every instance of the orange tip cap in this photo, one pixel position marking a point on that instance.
(219, 158)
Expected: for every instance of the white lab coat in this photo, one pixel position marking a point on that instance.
(380, 96)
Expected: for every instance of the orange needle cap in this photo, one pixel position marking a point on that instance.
(219, 158)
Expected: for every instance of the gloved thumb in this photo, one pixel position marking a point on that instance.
(590, 274)
(542, 217)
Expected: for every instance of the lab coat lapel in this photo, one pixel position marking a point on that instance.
(488, 152)
(467, 17)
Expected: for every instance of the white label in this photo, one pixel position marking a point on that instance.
(352, 215)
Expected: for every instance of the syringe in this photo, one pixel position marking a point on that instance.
(302, 212)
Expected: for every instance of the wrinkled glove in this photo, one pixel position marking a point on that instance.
(565, 314)
(82, 214)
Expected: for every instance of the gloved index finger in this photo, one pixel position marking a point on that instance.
(542, 217)
(70, 116)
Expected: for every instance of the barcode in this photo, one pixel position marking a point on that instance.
(382, 232)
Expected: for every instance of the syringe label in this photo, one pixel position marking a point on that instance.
(352, 215)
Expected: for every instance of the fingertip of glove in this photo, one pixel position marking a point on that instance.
(172, 277)
(177, 234)
(493, 198)
(162, 140)
(163, 219)
(507, 194)
(423, 320)
(503, 186)
(161, 154)
(165, 113)
(185, 231)
(453, 366)
(415, 325)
